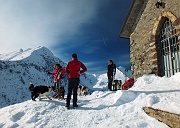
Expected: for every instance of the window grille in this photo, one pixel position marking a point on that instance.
(169, 50)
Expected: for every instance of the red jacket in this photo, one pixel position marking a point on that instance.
(73, 68)
(57, 74)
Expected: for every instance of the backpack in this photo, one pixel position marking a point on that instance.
(128, 84)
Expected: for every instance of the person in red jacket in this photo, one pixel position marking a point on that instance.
(58, 74)
(74, 68)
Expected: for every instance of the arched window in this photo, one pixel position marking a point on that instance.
(169, 50)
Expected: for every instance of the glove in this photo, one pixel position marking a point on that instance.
(49, 73)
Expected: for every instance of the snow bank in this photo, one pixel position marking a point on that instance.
(121, 109)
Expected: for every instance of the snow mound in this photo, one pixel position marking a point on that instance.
(155, 83)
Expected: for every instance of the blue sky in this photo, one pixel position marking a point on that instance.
(89, 28)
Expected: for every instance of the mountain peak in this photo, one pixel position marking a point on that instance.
(19, 68)
(23, 54)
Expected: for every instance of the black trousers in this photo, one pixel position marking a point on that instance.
(72, 86)
(110, 80)
(57, 85)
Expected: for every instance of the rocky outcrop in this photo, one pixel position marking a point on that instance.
(170, 119)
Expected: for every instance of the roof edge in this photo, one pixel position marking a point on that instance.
(136, 10)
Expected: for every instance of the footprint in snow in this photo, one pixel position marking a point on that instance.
(14, 125)
(152, 100)
(17, 116)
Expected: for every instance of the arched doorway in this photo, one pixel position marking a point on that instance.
(168, 48)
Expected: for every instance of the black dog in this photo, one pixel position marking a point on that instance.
(40, 90)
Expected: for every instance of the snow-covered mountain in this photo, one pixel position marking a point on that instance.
(19, 68)
(126, 72)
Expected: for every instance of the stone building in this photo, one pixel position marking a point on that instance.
(153, 27)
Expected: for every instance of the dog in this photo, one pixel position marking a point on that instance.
(83, 90)
(61, 93)
(40, 90)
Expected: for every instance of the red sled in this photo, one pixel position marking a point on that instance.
(128, 84)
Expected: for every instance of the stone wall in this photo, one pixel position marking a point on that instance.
(144, 55)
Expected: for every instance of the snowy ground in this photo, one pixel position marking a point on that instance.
(121, 109)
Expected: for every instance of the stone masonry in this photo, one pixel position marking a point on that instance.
(143, 40)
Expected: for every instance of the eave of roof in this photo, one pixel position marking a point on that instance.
(132, 19)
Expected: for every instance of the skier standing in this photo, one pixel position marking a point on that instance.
(111, 73)
(73, 69)
(58, 75)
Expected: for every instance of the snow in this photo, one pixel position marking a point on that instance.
(107, 109)
(16, 55)
(101, 108)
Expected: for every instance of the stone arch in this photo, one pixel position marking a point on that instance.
(153, 39)
(157, 25)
